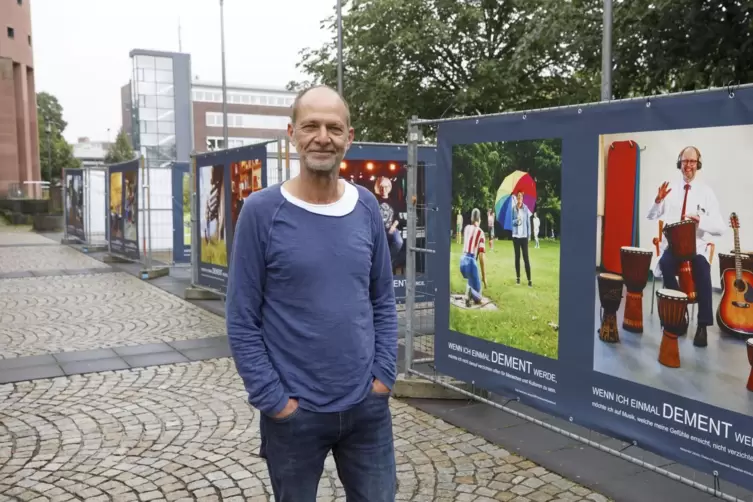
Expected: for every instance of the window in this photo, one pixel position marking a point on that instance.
(11, 32)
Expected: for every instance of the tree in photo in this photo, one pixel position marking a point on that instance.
(55, 152)
(121, 150)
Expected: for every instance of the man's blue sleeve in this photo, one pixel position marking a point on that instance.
(383, 303)
(245, 295)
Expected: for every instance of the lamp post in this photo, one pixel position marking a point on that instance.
(48, 128)
(224, 82)
(606, 53)
(339, 47)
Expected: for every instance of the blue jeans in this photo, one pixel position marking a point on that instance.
(361, 442)
(469, 269)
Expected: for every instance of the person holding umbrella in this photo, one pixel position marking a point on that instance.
(521, 234)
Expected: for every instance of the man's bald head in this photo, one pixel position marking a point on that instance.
(316, 93)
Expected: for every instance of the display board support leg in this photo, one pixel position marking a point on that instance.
(193, 293)
(111, 258)
(410, 244)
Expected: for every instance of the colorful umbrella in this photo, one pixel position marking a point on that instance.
(516, 182)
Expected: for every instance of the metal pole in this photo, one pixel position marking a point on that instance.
(287, 157)
(606, 53)
(339, 47)
(410, 266)
(49, 152)
(224, 82)
(87, 206)
(194, 218)
(148, 226)
(279, 161)
(64, 179)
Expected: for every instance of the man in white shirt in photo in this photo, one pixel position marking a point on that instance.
(688, 198)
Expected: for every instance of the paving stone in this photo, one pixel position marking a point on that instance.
(184, 431)
(45, 315)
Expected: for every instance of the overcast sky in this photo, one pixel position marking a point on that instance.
(81, 47)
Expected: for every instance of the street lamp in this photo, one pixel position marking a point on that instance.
(48, 128)
(340, 47)
(224, 82)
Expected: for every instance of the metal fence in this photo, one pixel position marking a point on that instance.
(419, 328)
(94, 208)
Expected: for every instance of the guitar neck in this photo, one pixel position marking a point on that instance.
(738, 259)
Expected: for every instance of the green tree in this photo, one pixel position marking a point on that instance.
(443, 58)
(55, 154)
(121, 150)
(438, 58)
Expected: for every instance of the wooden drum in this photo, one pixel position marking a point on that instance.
(636, 263)
(610, 296)
(681, 239)
(673, 314)
(749, 345)
(727, 261)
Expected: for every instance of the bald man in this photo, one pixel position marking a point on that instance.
(311, 316)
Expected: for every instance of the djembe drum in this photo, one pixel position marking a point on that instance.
(681, 239)
(610, 296)
(749, 344)
(636, 263)
(673, 314)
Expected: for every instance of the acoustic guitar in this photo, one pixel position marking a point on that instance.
(735, 312)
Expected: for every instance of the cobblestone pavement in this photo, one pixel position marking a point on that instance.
(33, 258)
(10, 236)
(184, 432)
(42, 315)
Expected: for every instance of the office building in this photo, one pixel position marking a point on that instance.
(254, 113)
(168, 115)
(160, 106)
(19, 136)
(90, 153)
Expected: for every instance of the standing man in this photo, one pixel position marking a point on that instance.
(536, 227)
(311, 316)
(490, 223)
(688, 198)
(521, 234)
(473, 249)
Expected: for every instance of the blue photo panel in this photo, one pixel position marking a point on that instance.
(181, 181)
(213, 200)
(74, 204)
(123, 196)
(382, 169)
(498, 293)
(655, 332)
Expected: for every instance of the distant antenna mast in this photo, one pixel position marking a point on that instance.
(180, 39)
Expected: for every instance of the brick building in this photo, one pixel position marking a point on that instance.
(19, 137)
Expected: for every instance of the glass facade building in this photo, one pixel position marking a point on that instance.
(161, 106)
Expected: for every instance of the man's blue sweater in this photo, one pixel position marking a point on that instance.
(310, 305)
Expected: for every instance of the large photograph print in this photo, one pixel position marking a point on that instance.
(386, 180)
(675, 304)
(505, 259)
(504, 268)
(124, 209)
(74, 180)
(213, 250)
(674, 281)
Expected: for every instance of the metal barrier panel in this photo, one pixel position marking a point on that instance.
(95, 206)
(658, 421)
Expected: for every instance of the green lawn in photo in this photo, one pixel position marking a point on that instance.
(524, 314)
(214, 252)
